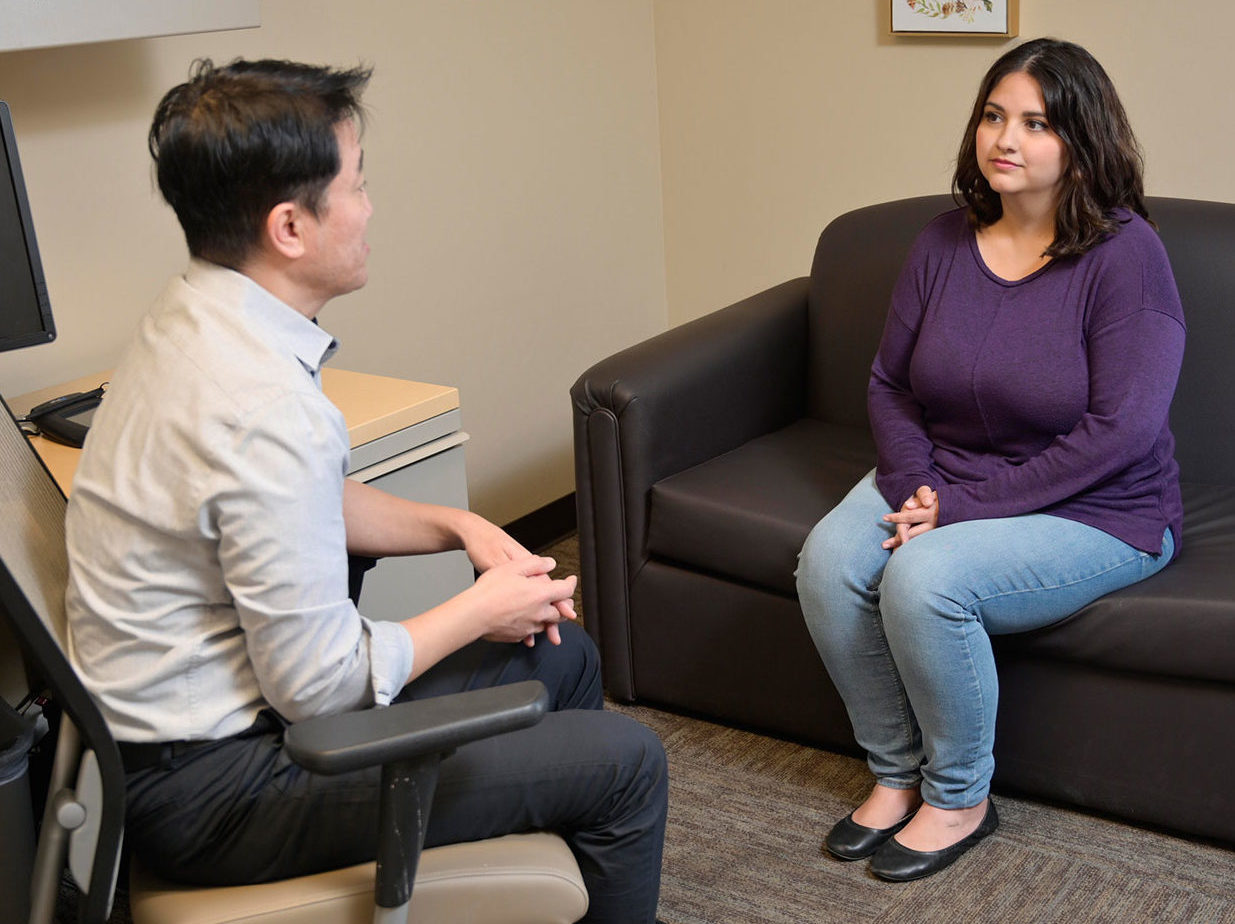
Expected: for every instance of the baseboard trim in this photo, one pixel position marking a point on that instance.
(546, 525)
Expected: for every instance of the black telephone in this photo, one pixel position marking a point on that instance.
(67, 418)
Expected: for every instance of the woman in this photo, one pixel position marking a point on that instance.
(1025, 467)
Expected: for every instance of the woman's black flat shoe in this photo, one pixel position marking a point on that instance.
(849, 840)
(897, 863)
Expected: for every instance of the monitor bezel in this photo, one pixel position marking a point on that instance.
(47, 332)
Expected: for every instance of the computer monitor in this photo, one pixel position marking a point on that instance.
(25, 310)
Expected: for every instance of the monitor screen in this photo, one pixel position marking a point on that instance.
(25, 311)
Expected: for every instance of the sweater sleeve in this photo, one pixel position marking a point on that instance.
(1134, 345)
(897, 417)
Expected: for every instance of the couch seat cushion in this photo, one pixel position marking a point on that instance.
(744, 515)
(1179, 623)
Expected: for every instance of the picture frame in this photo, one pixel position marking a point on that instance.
(955, 18)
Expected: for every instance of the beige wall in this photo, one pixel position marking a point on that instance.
(778, 115)
(513, 160)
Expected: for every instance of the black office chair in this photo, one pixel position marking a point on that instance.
(518, 878)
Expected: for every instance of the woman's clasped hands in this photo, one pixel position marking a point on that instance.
(917, 515)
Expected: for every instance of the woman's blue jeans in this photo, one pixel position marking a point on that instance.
(905, 635)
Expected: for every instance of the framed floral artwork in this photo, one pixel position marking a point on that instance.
(955, 17)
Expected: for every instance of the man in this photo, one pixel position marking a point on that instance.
(210, 526)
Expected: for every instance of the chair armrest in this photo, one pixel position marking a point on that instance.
(665, 405)
(372, 737)
(408, 741)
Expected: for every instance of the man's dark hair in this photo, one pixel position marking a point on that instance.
(1103, 166)
(233, 142)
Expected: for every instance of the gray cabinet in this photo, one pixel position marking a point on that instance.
(422, 462)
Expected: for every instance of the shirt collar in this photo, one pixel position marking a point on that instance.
(275, 321)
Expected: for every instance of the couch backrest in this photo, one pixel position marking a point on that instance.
(857, 260)
(860, 254)
(1200, 238)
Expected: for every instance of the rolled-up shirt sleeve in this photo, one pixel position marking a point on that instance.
(390, 658)
(277, 510)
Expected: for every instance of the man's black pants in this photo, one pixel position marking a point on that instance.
(241, 811)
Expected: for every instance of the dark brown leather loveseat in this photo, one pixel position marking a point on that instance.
(705, 455)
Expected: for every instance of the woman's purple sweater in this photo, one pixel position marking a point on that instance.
(1044, 395)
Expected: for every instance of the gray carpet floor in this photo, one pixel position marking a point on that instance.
(747, 815)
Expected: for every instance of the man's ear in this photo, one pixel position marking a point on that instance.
(285, 230)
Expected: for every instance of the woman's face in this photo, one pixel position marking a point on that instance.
(1018, 152)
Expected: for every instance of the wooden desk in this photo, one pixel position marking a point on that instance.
(373, 406)
(405, 438)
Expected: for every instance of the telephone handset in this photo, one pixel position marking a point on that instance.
(67, 418)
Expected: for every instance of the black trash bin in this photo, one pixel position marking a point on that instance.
(17, 735)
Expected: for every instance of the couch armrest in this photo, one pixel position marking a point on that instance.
(662, 406)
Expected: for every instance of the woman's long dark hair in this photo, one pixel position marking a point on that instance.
(1103, 169)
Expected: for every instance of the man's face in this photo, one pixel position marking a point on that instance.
(336, 240)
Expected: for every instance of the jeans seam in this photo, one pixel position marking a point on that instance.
(906, 723)
(971, 763)
(1135, 557)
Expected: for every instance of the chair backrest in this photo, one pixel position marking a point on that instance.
(859, 257)
(87, 788)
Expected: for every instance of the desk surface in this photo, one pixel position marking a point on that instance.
(373, 406)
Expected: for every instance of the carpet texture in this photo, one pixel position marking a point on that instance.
(747, 815)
